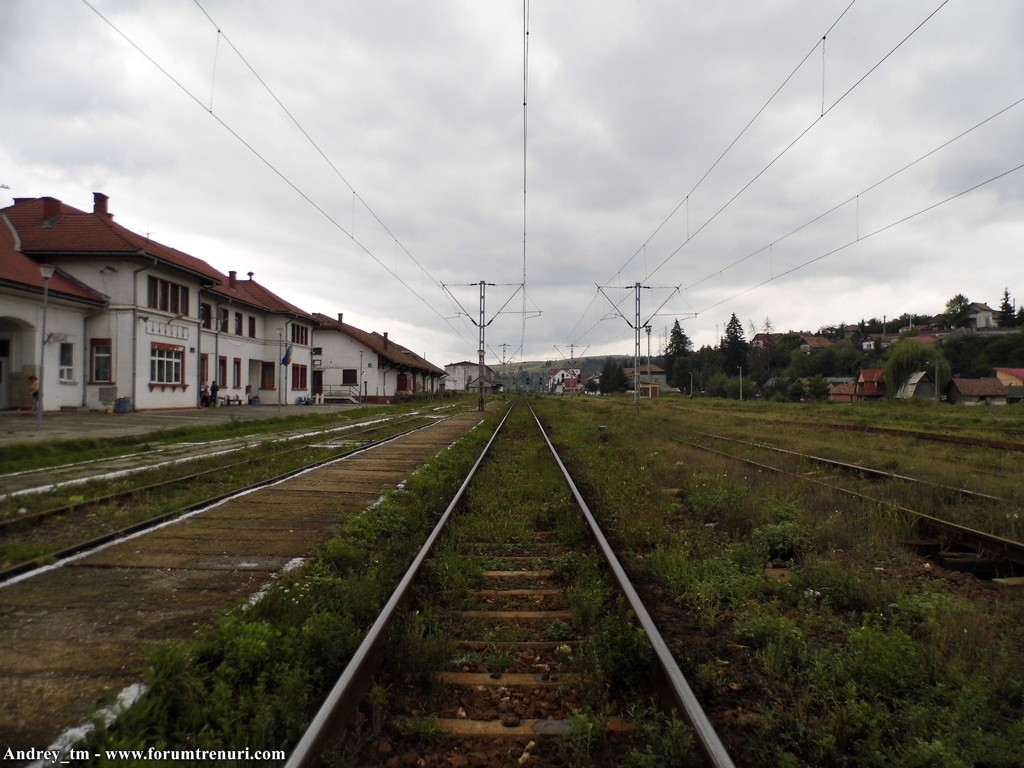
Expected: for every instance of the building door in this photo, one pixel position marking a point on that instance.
(318, 383)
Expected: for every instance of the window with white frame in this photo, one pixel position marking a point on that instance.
(101, 369)
(167, 364)
(67, 362)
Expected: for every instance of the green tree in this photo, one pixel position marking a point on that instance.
(613, 378)
(734, 347)
(907, 357)
(679, 346)
(957, 312)
(1005, 317)
(817, 388)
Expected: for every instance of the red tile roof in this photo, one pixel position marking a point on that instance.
(21, 271)
(386, 348)
(47, 226)
(255, 295)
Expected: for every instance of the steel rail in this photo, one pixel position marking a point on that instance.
(24, 569)
(27, 521)
(344, 696)
(857, 468)
(231, 445)
(1007, 548)
(710, 742)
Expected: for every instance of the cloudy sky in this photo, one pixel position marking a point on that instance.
(368, 157)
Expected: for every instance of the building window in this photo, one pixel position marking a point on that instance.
(238, 323)
(222, 371)
(222, 319)
(349, 377)
(206, 315)
(252, 327)
(299, 377)
(167, 296)
(67, 362)
(167, 364)
(267, 375)
(236, 373)
(204, 368)
(300, 334)
(101, 369)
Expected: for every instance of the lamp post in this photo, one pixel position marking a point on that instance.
(46, 270)
(741, 382)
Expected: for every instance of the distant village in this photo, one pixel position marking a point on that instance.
(970, 354)
(95, 316)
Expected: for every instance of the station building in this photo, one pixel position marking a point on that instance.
(108, 319)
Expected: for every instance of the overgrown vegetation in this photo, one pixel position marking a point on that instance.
(519, 504)
(810, 634)
(257, 678)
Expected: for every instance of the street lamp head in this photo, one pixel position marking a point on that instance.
(46, 270)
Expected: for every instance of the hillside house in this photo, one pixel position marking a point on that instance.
(810, 342)
(980, 316)
(765, 340)
(920, 384)
(870, 385)
(565, 380)
(989, 391)
(842, 392)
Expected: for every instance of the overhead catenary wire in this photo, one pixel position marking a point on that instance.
(700, 181)
(862, 237)
(279, 173)
(355, 194)
(786, 149)
(856, 198)
(795, 141)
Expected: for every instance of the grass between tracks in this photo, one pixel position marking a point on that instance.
(257, 678)
(845, 650)
(20, 457)
(519, 504)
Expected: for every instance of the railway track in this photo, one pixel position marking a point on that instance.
(73, 630)
(525, 642)
(954, 544)
(34, 538)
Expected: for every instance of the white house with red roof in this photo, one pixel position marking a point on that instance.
(132, 321)
(350, 364)
(565, 380)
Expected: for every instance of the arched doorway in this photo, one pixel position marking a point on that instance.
(18, 361)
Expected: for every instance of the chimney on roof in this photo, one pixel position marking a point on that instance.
(385, 339)
(341, 318)
(99, 204)
(233, 278)
(250, 275)
(51, 210)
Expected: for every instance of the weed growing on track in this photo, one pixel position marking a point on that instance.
(812, 637)
(258, 676)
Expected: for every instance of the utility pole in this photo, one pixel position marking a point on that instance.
(648, 329)
(481, 323)
(636, 325)
(480, 365)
